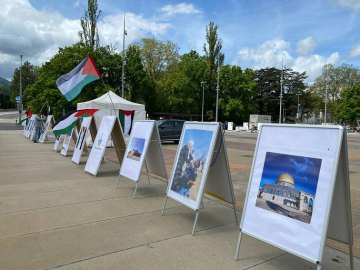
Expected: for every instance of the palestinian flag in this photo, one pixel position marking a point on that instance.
(126, 118)
(71, 84)
(68, 121)
(23, 121)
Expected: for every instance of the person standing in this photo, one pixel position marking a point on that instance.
(39, 119)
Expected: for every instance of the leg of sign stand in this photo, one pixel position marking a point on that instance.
(147, 172)
(163, 210)
(117, 184)
(351, 257)
(196, 219)
(135, 190)
(238, 246)
(318, 266)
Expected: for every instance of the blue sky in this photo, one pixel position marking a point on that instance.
(304, 170)
(201, 139)
(305, 34)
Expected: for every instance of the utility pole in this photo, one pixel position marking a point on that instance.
(202, 104)
(20, 103)
(123, 63)
(217, 88)
(298, 107)
(281, 89)
(326, 93)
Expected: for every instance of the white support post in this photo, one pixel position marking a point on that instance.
(163, 210)
(196, 219)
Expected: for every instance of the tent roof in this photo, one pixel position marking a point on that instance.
(109, 101)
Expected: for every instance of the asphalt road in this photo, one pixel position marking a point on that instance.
(8, 120)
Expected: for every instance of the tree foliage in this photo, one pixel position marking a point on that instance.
(332, 82)
(212, 47)
(89, 34)
(268, 89)
(348, 110)
(29, 75)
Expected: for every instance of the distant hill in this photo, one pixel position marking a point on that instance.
(4, 86)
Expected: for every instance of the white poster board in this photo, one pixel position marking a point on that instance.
(192, 162)
(58, 140)
(66, 143)
(136, 150)
(45, 128)
(109, 125)
(291, 188)
(30, 127)
(81, 139)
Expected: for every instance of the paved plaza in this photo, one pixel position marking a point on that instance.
(53, 215)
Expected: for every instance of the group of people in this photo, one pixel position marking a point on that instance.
(186, 170)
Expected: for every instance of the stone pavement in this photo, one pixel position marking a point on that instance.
(54, 215)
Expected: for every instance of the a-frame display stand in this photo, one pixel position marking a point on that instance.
(144, 148)
(72, 135)
(109, 126)
(49, 122)
(87, 124)
(59, 140)
(312, 196)
(201, 152)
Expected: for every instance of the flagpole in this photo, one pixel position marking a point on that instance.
(123, 62)
(112, 103)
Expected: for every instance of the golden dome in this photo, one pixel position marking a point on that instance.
(286, 178)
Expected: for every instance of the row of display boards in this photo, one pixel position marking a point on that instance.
(298, 193)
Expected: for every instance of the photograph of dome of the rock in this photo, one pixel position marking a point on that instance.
(288, 185)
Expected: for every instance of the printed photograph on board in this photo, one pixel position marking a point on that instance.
(136, 148)
(191, 162)
(288, 185)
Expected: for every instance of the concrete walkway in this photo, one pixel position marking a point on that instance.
(54, 215)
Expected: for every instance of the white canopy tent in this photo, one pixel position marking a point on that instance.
(110, 104)
(110, 101)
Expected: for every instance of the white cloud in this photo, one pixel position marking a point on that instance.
(35, 34)
(353, 4)
(111, 28)
(182, 8)
(355, 52)
(306, 46)
(271, 53)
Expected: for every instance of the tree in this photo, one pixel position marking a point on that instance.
(237, 92)
(268, 91)
(213, 47)
(332, 82)
(157, 56)
(29, 74)
(44, 90)
(89, 34)
(348, 110)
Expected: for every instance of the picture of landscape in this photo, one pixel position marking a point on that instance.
(136, 148)
(288, 185)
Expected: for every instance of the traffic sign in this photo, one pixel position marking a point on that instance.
(17, 99)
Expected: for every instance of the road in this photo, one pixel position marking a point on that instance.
(8, 120)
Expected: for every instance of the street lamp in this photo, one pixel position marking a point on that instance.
(281, 89)
(326, 95)
(20, 103)
(123, 63)
(298, 106)
(217, 88)
(202, 104)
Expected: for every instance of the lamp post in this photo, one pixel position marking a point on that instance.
(326, 96)
(20, 94)
(202, 104)
(217, 88)
(281, 90)
(123, 63)
(298, 106)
